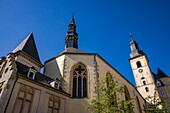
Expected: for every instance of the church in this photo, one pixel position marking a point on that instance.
(70, 78)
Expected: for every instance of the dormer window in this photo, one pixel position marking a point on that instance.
(158, 83)
(55, 84)
(31, 73)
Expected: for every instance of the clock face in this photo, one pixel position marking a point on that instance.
(140, 70)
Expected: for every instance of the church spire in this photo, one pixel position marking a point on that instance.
(28, 46)
(71, 37)
(135, 51)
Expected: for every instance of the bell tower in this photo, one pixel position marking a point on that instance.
(141, 70)
(71, 37)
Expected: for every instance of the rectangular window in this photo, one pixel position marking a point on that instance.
(31, 74)
(24, 100)
(53, 104)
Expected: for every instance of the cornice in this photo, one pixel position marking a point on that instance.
(26, 56)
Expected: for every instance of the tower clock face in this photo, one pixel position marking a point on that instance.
(140, 70)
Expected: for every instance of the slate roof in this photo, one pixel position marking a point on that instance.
(71, 50)
(22, 70)
(29, 47)
(159, 74)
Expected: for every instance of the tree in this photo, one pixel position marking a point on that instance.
(155, 105)
(107, 99)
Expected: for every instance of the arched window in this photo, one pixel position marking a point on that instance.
(138, 64)
(144, 82)
(138, 105)
(158, 82)
(147, 89)
(127, 97)
(79, 80)
(127, 94)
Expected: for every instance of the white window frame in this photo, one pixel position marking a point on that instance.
(31, 71)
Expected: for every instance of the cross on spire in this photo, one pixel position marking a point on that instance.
(131, 36)
(72, 36)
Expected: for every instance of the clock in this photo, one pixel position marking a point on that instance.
(140, 70)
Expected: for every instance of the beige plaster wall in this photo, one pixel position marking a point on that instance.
(27, 62)
(95, 65)
(147, 74)
(54, 68)
(103, 68)
(40, 98)
(165, 89)
(8, 79)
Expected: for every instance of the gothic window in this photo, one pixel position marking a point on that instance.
(127, 97)
(53, 104)
(138, 105)
(138, 64)
(79, 87)
(24, 100)
(110, 83)
(147, 89)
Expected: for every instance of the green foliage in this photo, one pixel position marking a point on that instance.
(107, 100)
(156, 105)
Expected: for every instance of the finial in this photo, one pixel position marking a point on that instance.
(131, 37)
(72, 15)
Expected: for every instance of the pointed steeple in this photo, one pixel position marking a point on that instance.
(71, 37)
(135, 51)
(28, 46)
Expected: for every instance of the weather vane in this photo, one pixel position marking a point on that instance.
(72, 15)
(130, 35)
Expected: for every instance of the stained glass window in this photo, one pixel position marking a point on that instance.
(79, 88)
(74, 86)
(84, 87)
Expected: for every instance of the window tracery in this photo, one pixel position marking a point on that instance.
(79, 80)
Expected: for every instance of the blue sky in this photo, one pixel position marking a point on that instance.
(103, 27)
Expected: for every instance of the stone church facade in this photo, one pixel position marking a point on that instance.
(68, 82)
